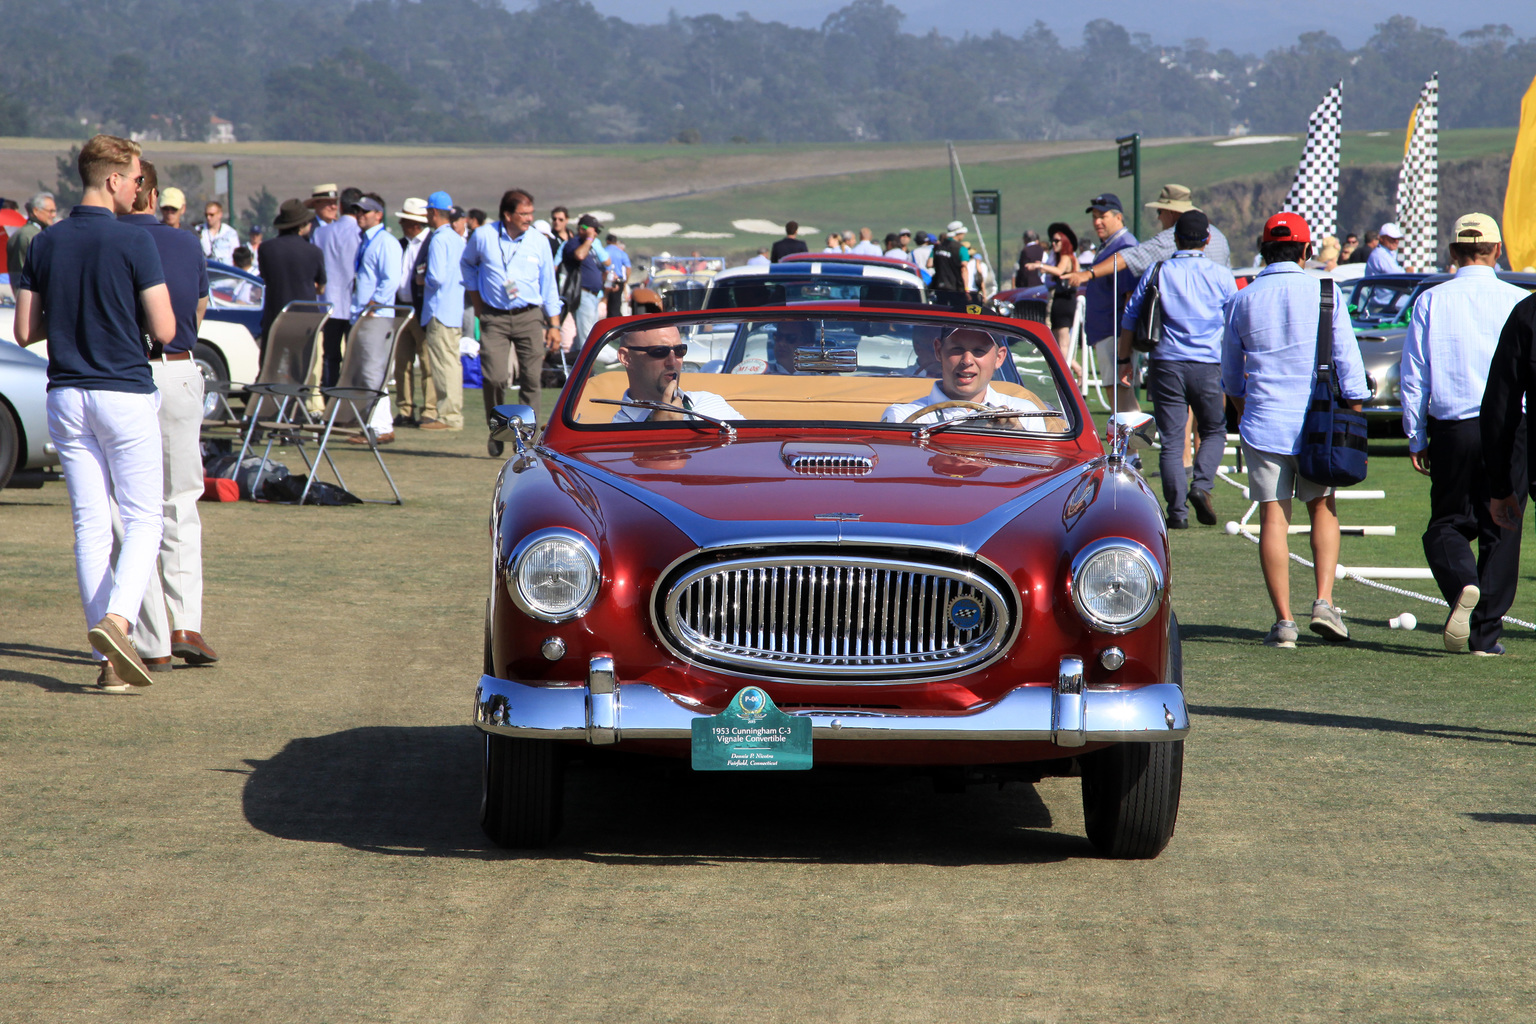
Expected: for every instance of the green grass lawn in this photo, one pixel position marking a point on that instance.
(1034, 191)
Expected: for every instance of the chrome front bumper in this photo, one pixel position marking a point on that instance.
(605, 711)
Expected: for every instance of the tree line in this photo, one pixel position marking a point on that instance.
(561, 72)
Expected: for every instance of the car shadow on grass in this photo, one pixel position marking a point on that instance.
(1283, 716)
(416, 792)
(1502, 818)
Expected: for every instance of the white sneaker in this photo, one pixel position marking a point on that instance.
(1459, 626)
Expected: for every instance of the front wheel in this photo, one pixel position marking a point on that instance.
(1131, 797)
(211, 364)
(523, 791)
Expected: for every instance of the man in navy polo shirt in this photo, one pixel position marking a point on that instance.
(178, 586)
(84, 289)
(1107, 293)
(587, 250)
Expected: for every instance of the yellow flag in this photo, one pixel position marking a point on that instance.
(1413, 119)
(1520, 197)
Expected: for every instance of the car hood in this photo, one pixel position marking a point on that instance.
(957, 490)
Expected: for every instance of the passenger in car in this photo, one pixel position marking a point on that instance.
(653, 359)
(968, 358)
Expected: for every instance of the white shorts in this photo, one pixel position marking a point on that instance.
(1274, 477)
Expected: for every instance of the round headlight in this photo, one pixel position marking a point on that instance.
(1116, 585)
(554, 575)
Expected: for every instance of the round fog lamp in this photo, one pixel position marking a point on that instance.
(1111, 658)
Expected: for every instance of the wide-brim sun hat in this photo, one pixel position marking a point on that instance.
(294, 213)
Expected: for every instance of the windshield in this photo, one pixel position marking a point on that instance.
(1382, 303)
(744, 293)
(888, 372)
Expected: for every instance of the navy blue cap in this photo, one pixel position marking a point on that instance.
(1104, 201)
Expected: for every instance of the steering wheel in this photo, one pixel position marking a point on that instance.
(925, 410)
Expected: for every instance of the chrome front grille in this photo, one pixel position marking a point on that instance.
(834, 618)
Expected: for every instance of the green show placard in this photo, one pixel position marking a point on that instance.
(751, 735)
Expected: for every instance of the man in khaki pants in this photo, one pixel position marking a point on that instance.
(170, 622)
(442, 311)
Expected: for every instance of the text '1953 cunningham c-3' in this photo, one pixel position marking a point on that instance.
(852, 536)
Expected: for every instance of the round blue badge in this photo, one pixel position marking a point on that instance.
(965, 613)
(753, 700)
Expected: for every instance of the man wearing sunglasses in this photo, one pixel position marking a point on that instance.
(654, 361)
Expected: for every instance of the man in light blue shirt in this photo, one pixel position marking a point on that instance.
(377, 272)
(1452, 336)
(1383, 258)
(509, 278)
(442, 312)
(1268, 365)
(338, 243)
(1185, 370)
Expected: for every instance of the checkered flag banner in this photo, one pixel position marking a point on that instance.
(1315, 192)
(1418, 184)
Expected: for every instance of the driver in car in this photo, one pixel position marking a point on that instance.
(968, 357)
(654, 361)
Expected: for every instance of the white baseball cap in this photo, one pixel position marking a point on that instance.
(1391, 230)
(955, 227)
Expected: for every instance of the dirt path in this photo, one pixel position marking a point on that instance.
(290, 835)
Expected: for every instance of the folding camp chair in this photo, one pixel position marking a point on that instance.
(293, 347)
(362, 382)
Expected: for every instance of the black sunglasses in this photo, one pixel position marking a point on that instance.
(660, 351)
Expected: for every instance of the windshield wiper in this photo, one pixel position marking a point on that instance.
(642, 403)
(926, 431)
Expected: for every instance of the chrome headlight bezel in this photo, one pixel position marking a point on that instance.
(1142, 556)
(516, 561)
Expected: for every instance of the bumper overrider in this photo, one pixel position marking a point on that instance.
(604, 710)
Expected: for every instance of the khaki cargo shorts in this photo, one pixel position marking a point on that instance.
(1274, 477)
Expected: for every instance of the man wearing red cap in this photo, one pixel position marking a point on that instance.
(1268, 364)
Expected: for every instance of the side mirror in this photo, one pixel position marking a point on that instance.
(515, 423)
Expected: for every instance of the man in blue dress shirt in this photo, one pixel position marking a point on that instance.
(1383, 258)
(442, 310)
(509, 278)
(1185, 368)
(377, 269)
(1451, 339)
(1268, 365)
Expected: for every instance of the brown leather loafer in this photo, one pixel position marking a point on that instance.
(434, 425)
(158, 664)
(385, 438)
(192, 648)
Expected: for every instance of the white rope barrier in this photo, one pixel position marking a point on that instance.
(1341, 572)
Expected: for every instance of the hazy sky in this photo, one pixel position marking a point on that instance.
(1243, 25)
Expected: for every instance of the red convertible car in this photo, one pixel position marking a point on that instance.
(866, 536)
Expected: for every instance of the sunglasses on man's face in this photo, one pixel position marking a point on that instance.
(660, 351)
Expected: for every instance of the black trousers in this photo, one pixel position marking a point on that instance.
(331, 337)
(1458, 515)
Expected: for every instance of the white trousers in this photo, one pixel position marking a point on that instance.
(109, 449)
(174, 598)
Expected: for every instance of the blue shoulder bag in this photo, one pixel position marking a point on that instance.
(1333, 447)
